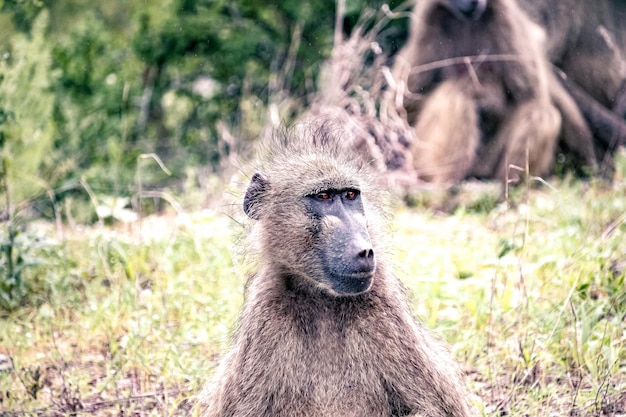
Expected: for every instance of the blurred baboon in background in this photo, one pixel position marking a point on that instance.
(586, 41)
(325, 328)
(481, 94)
(482, 100)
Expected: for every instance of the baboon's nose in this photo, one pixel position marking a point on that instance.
(365, 260)
(366, 253)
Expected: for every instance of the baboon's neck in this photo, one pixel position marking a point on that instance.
(302, 294)
(290, 292)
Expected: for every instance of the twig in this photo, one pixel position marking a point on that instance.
(8, 249)
(92, 197)
(473, 59)
(111, 403)
(141, 194)
(604, 385)
(151, 75)
(578, 359)
(164, 196)
(90, 408)
(613, 226)
(339, 16)
(490, 325)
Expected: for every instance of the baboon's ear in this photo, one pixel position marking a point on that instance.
(254, 195)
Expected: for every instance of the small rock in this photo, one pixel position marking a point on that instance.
(6, 364)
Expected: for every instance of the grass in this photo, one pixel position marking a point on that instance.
(532, 299)
(129, 319)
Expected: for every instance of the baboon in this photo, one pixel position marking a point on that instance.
(481, 94)
(325, 328)
(587, 43)
(586, 40)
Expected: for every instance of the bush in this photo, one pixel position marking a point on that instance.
(26, 107)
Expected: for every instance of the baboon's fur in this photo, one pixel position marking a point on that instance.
(586, 41)
(481, 94)
(301, 349)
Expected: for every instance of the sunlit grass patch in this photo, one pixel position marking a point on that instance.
(145, 322)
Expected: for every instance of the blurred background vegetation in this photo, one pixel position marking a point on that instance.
(88, 87)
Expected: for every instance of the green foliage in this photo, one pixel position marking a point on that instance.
(120, 293)
(11, 267)
(119, 79)
(239, 46)
(93, 114)
(29, 267)
(24, 12)
(26, 106)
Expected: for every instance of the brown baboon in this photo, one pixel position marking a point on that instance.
(587, 43)
(586, 40)
(481, 94)
(325, 328)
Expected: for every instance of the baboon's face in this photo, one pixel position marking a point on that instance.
(319, 236)
(341, 239)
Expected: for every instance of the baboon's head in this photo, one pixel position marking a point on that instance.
(310, 202)
(467, 9)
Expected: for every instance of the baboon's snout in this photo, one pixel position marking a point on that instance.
(347, 253)
(362, 255)
(352, 265)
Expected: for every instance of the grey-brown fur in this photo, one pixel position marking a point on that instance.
(500, 108)
(586, 41)
(302, 349)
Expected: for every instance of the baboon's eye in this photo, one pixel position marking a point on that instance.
(323, 196)
(351, 194)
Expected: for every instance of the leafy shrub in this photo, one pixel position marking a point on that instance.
(26, 129)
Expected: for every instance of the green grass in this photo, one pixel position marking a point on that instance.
(130, 319)
(532, 299)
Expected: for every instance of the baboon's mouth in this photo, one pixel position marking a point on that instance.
(361, 274)
(352, 284)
